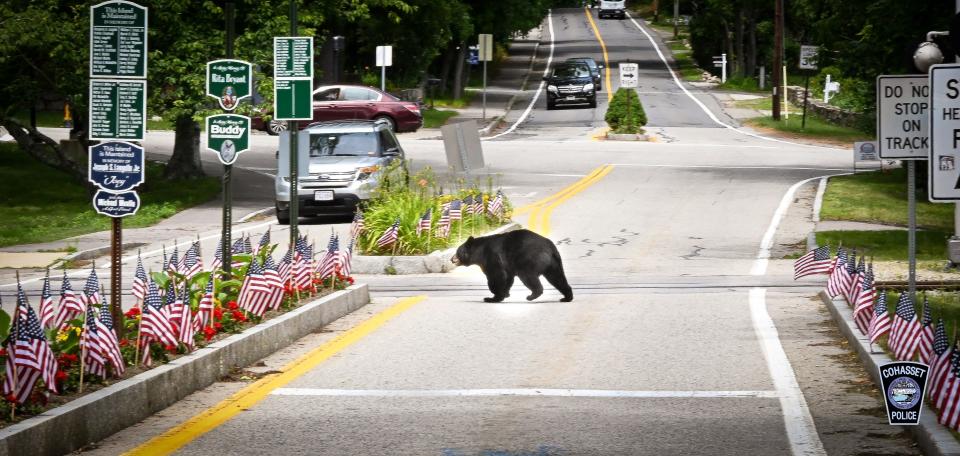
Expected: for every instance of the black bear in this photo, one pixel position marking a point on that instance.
(520, 253)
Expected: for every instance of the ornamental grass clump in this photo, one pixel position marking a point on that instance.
(625, 113)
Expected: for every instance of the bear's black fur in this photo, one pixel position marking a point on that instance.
(520, 253)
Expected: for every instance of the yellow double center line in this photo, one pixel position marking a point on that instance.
(603, 47)
(186, 432)
(539, 220)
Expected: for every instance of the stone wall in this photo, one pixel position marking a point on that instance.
(829, 113)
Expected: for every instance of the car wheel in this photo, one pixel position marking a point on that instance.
(275, 127)
(551, 105)
(593, 102)
(283, 217)
(388, 120)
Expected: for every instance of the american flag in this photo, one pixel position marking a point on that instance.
(468, 204)
(91, 289)
(286, 265)
(247, 245)
(456, 211)
(172, 305)
(264, 241)
(880, 324)
(837, 279)
(101, 345)
(155, 325)
(237, 246)
(271, 276)
(174, 265)
(346, 259)
(425, 220)
(478, 205)
(205, 307)
(496, 205)
(390, 235)
(47, 314)
(217, 257)
(940, 361)
(303, 264)
(443, 226)
(856, 288)
(851, 279)
(816, 261)
(949, 395)
(139, 287)
(70, 303)
(254, 293)
(905, 333)
(28, 353)
(186, 330)
(356, 227)
(863, 308)
(331, 259)
(191, 264)
(926, 334)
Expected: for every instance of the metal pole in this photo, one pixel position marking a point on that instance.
(723, 69)
(116, 244)
(912, 226)
(383, 74)
(484, 115)
(777, 56)
(676, 18)
(226, 233)
(806, 91)
(294, 128)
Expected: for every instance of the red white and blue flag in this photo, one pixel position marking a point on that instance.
(940, 362)
(155, 325)
(390, 235)
(91, 289)
(837, 275)
(330, 263)
(443, 226)
(70, 304)
(816, 261)
(496, 205)
(254, 292)
(47, 311)
(139, 287)
(863, 307)
(880, 323)
(271, 275)
(425, 220)
(205, 306)
(346, 260)
(926, 334)
(303, 264)
(191, 264)
(101, 345)
(905, 333)
(356, 227)
(456, 211)
(29, 356)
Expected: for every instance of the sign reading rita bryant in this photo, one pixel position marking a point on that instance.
(228, 135)
(903, 385)
(116, 204)
(228, 81)
(116, 166)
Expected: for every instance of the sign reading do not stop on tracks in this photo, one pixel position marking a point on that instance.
(903, 117)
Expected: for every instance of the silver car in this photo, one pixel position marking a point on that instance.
(340, 163)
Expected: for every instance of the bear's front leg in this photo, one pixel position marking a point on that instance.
(499, 284)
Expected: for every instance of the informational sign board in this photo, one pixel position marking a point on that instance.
(116, 166)
(461, 143)
(944, 118)
(118, 40)
(865, 151)
(903, 385)
(118, 109)
(485, 47)
(903, 117)
(384, 56)
(629, 77)
(116, 205)
(293, 78)
(229, 81)
(228, 135)
(808, 57)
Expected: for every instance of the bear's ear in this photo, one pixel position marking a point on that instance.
(469, 239)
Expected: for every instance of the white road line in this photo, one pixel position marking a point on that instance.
(700, 104)
(528, 392)
(818, 201)
(641, 165)
(536, 96)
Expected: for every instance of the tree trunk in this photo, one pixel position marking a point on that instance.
(740, 58)
(458, 81)
(47, 151)
(448, 55)
(185, 162)
(751, 69)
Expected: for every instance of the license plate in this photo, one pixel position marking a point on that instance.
(323, 195)
(571, 97)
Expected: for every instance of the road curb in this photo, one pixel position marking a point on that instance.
(265, 211)
(96, 252)
(933, 438)
(436, 262)
(523, 87)
(97, 415)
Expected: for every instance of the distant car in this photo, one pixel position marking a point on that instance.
(595, 69)
(570, 83)
(612, 9)
(346, 160)
(346, 102)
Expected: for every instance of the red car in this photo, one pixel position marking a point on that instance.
(339, 102)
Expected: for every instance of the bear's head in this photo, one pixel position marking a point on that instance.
(463, 255)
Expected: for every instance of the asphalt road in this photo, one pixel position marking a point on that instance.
(683, 338)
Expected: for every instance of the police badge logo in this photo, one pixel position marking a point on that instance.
(903, 383)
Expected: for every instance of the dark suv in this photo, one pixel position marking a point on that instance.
(595, 69)
(571, 83)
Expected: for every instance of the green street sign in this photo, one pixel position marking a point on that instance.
(229, 81)
(228, 135)
(118, 40)
(293, 78)
(118, 109)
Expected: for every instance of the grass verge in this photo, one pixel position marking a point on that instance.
(888, 245)
(436, 118)
(54, 119)
(40, 204)
(816, 128)
(881, 198)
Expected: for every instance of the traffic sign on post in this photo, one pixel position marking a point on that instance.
(903, 117)
(485, 44)
(116, 205)
(118, 109)
(118, 40)
(944, 117)
(229, 81)
(628, 75)
(228, 135)
(808, 57)
(115, 166)
(293, 78)
(384, 59)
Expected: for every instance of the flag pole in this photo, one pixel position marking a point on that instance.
(13, 346)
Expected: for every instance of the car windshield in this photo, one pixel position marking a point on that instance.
(571, 71)
(589, 62)
(343, 144)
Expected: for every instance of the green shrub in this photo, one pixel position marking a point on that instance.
(625, 113)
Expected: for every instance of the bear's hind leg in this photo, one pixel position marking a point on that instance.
(555, 276)
(532, 281)
(499, 285)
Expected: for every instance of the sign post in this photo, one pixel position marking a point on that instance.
(721, 62)
(384, 59)
(808, 61)
(485, 55)
(902, 119)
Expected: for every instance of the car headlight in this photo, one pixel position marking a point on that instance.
(366, 171)
(588, 87)
(552, 88)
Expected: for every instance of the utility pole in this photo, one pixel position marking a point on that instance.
(676, 18)
(777, 57)
(656, 11)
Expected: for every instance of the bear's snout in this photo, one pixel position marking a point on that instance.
(455, 260)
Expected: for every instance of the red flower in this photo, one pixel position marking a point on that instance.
(209, 332)
(218, 313)
(10, 398)
(124, 342)
(61, 375)
(239, 316)
(133, 312)
(218, 326)
(232, 305)
(170, 348)
(3, 352)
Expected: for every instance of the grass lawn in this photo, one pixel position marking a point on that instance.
(54, 119)
(40, 204)
(888, 245)
(815, 128)
(435, 118)
(881, 198)
(447, 102)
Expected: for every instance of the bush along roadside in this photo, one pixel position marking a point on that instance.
(625, 114)
(179, 309)
(415, 215)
